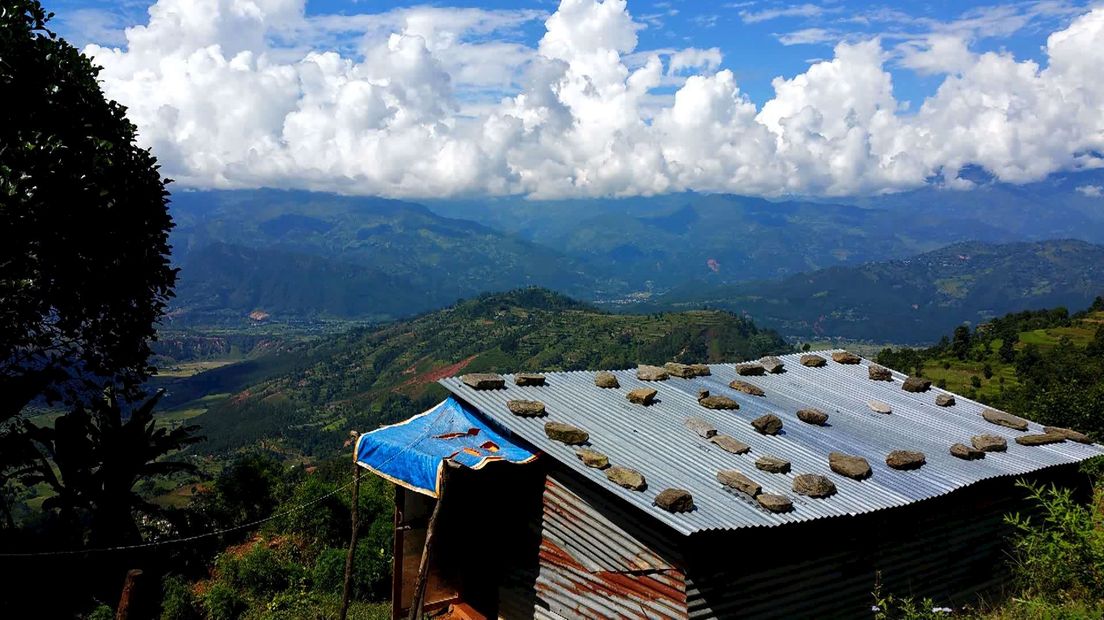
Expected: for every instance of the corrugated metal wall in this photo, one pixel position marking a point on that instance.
(590, 567)
(951, 549)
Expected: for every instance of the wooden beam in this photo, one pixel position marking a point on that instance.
(397, 554)
(423, 568)
(347, 590)
(126, 599)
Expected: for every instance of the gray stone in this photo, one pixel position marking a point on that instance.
(1006, 420)
(879, 373)
(1069, 434)
(812, 416)
(484, 381)
(526, 408)
(878, 406)
(768, 424)
(592, 458)
(717, 402)
(945, 400)
(989, 443)
(916, 384)
(966, 453)
(813, 361)
(746, 388)
(701, 370)
(846, 357)
(675, 500)
(905, 459)
(528, 379)
(774, 503)
(739, 482)
(701, 427)
(606, 380)
(750, 370)
(730, 444)
(685, 371)
(565, 433)
(1041, 439)
(628, 478)
(641, 396)
(772, 464)
(854, 467)
(651, 373)
(813, 485)
(772, 364)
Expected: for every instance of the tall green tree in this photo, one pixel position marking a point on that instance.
(84, 223)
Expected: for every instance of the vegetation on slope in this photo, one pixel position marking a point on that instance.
(914, 300)
(368, 377)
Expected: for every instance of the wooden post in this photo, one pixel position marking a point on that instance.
(347, 590)
(122, 612)
(397, 552)
(423, 567)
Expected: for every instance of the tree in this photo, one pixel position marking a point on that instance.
(1007, 351)
(960, 344)
(84, 254)
(94, 456)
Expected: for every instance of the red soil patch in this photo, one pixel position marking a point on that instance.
(435, 375)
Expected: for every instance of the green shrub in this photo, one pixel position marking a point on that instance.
(102, 612)
(1059, 554)
(259, 572)
(222, 602)
(371, 572)
(178, 602)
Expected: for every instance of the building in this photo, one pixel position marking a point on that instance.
(787, 487)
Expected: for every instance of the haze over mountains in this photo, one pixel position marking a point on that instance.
(304, 255)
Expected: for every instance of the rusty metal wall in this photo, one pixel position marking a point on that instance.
(597, 563)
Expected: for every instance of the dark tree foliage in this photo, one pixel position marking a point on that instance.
(92, 459)
(960, 344)
(84, 254)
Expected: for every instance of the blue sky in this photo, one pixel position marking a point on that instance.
(749, 34)
(593, 97)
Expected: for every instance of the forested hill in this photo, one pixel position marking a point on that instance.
(913, 300)
(316, 392)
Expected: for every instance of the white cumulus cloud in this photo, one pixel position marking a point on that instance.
(432, 101)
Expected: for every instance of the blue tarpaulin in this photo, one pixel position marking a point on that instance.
(412, 453)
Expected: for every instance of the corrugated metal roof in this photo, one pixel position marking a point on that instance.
(654, 440)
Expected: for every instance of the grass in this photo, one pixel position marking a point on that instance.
(191, 369)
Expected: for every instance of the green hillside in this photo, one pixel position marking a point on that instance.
(295, 253)
(913, 300)
(1047, 365)
(305, 398)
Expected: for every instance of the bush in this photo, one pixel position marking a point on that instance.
(1059, 555)
(222, 602)
(178, 602)
(102, 612)
(260, 572)
(371, 572)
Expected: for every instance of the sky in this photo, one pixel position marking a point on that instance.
(583, 98)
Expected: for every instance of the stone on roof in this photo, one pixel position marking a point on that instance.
(813, 361)
(526, 408)
(675, 500)
(916, 384)
(528, 379)
(774, 503)
(1041, 439)
(746, 388)
(750, 370)
(628, 478)
(855, 467)
(966, 452)
(730, 444)
(606, 379)
(686, 371)
(701, 427)
(592, 458)
(566, 433)
(645, 372)
(717, 402)
(735, 480)
(878, 406)
(846, 357)
(641, 396)
(1006, 420)
(768, 424)
(879, 373)
(813, 485)
(989, 443)
(772, 464)
(945, 400)
(484, 381)
(905, 459)
(1069, 434)
(772, 364)
(812, 416)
